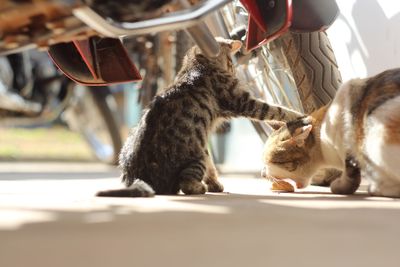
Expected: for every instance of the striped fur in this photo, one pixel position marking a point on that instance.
(359, 133)
(168, 149)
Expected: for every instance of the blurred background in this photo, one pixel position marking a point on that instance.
(365, 40)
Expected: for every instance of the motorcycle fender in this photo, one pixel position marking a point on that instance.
(313, 15)
(267, 20)
(95, 61)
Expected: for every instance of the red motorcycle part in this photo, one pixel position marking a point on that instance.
(94, 61)
(267, 20)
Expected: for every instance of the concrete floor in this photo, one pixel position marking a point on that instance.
(50, 217)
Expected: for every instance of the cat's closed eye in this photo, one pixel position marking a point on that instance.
(288, 165)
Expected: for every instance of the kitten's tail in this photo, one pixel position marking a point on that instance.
(139, 188)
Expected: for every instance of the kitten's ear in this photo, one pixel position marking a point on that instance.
(235, 46)
(276, 125)
(301, 134)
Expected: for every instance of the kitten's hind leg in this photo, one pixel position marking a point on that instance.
(191, 178)
(350, 180)
(211, 176)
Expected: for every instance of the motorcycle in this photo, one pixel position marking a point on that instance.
(287, 58)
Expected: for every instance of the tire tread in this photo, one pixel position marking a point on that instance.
(313, 64)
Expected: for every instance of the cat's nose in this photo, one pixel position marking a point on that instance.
(264, 172)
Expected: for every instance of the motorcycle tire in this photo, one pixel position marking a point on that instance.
(313, 66)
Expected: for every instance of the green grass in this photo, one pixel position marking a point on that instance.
(55, 144)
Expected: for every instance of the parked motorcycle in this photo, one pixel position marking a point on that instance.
(287, 58)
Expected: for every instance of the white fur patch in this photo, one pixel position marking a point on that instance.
(381, 153)
(332, 136)
(374, 142)
(337, 132)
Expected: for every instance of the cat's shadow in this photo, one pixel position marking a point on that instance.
(331, 196)
(295, 196)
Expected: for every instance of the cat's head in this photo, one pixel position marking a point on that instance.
(228, 48)
(289, 151)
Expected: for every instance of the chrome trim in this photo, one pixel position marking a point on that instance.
(172, 21)
(204, 39)
(217, 25)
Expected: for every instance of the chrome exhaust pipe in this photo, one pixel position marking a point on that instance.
(171, 21)
(191, 19)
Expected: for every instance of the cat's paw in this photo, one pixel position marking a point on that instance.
(291, 115)
(325, 177)
(193, 187)
(214, 186)
(343, 187)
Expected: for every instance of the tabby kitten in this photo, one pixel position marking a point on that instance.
(358, 133)
(168, 150)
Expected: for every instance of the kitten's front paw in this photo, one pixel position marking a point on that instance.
(292, 115)
(193, 187)
(214, 186)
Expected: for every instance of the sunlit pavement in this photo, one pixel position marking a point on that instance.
(50, 217)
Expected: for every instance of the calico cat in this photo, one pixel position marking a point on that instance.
(358, 133)
(168, 150)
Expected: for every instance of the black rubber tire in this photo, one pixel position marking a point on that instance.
(100, 95)
(314, 68)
